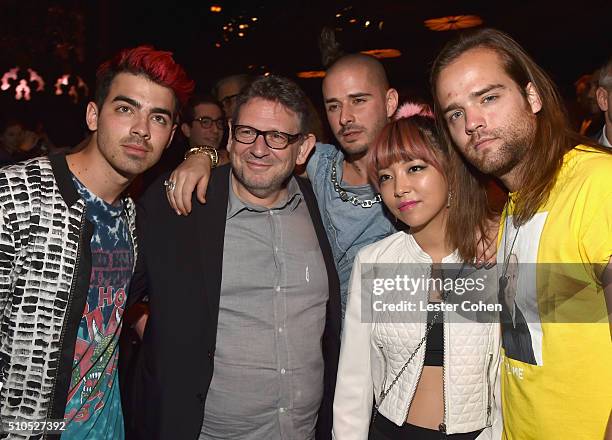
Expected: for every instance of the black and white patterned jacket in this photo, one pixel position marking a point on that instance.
(45, 268)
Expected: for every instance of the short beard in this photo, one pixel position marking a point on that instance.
(507, 158)
(261, 190)
(362, 149)
(517, 142)
(356, 150)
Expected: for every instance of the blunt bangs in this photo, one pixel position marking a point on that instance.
(404, 140)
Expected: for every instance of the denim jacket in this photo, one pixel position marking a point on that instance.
(348, 227)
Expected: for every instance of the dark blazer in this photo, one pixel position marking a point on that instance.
(180, 267)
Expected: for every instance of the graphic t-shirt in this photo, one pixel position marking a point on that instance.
(557, 365)
(93, 410)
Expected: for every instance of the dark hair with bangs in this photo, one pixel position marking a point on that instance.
(407, 139)
(416, 137)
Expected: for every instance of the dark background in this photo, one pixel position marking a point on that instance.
(568, 39)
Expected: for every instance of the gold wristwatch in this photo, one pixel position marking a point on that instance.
(207, 150)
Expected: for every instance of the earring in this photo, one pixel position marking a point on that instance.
(448, 200)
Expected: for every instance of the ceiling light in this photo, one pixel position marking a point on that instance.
(311, 74)
(383, 53)
(453, 22)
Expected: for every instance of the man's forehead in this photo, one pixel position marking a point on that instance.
(207, 108)
(264, 111)
(472, 71)
(342, 84)
(141, 89)
(477, 61)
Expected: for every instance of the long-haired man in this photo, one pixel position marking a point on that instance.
(505, 117)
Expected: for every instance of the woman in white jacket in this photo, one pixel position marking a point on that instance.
(406, 372)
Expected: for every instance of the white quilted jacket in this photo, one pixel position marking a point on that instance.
(372, 354)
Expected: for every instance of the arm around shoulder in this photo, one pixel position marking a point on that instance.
(192, 174)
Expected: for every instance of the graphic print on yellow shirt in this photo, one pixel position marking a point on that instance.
(556, 374)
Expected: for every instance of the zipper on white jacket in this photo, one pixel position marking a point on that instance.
(421, 366)
(416, 384)
(384, 382)
(489, 389)
(442, 429)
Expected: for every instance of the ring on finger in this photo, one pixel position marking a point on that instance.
(170, 185)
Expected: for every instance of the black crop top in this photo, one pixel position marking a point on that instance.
(434, 348)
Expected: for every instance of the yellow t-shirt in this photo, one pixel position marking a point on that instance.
(557, 376)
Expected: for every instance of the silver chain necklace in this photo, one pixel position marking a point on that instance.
(345, 197)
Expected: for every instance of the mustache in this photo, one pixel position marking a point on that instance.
(348, 128)
(259, 162)
(479, 136)
(249, 157)
(137, 140)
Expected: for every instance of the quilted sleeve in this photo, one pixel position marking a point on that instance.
(354, 389)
